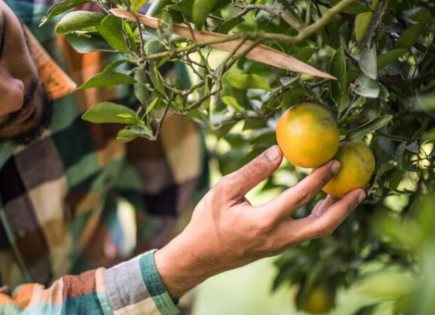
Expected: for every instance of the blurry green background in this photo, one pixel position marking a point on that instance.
(243, 291)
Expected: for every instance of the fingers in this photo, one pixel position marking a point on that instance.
(324, 222)
(237, 184)
(294, 198)
(323, 205)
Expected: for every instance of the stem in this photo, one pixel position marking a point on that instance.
(192, 47)
(142, 44)
(286, 17)
(308, 13)
(160, 121)
(311, 29)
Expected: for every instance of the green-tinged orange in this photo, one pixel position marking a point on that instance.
(307, 135)
(357, 167)
(318, 301)
(200, 11)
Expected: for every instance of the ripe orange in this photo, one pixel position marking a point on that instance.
(357, 167)
(307, 135)
(318, 301)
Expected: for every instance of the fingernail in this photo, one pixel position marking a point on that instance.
(361, 196)
(335, 167)
(272, 154)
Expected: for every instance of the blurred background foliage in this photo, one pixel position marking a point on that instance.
(381, 53)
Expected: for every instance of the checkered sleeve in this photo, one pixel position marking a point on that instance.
(132, 287)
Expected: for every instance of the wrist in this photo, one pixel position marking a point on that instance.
(179, 270)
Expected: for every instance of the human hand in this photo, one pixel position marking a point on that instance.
(226, 231)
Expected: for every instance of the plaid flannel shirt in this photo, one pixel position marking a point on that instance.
(60, 200)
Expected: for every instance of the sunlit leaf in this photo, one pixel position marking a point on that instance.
(245, 81)
(61, 7)
(77, 20)
(108, 112)
(232, 102)
(111, 30)
(107, 79)
(362, 23)
(386, 285)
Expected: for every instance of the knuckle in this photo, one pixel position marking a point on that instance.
(261, 228)
(301, 196)
(257, 167)
(225, 184)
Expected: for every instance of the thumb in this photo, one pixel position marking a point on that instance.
(240, 182)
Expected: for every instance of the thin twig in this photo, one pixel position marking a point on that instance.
(285, 16)
(160, 121)
(142, 44)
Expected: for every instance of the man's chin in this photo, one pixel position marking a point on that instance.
(32, 132)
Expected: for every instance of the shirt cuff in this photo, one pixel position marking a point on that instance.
(135, 285)
(155, 285)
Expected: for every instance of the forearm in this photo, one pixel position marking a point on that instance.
(129, 287)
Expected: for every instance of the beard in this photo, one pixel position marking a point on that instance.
(35, 124)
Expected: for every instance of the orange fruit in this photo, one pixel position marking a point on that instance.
(357, 167)
(307, 135)
(318, 301)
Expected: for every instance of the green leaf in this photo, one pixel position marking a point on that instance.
(430, 135)
(362, 23)
(245, 81)
(77, 20)
(338, 88)
(84, 43)
(424, 102)
(304, 54)
(108, 112)
(153, 46)
(386, 285)
(125, 135)
(228, 25)
(200, 11)
(354, 8)
(232, 102)
(390, 56)
(165, 28)
(410, 36)
(366, 87)
(368, 62)
(157, 80)
(107, 79)
(184, 6)
(60, 8)
(375, 124)
(111, 30)
(152, 105)
(139, 89)
(420, 15)
(114, 64)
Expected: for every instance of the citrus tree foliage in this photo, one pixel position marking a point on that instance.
(382, 56)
